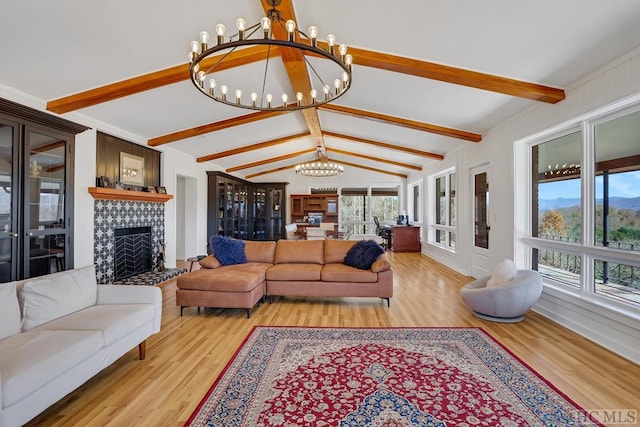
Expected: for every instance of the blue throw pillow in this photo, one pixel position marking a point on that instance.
(363, 254)
(228, 251)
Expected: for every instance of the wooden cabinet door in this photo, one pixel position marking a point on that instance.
(297, 205)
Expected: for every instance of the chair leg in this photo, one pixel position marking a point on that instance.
(248, 313)
(181, 308)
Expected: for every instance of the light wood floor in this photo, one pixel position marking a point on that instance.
(185, 358)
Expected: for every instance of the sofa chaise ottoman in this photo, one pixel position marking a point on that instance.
(228, 286)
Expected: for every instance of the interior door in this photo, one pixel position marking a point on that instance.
(9, 233)
(480, 177)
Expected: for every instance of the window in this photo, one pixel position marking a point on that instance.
(384, 203)
(443, 228)
(585, 230)
(353, 210)
(416, 202)
(358, 206)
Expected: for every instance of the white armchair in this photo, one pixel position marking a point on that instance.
(504, 303)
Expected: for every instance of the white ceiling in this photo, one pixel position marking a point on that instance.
(52, 49)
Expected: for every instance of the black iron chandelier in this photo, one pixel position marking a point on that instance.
(319, 167)
(326, 86)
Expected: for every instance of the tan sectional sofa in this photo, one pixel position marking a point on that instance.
(284, 268)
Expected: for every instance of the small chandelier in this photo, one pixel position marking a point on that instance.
(324, 87)
(319, 168)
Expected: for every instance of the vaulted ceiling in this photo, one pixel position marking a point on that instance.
(429, 76)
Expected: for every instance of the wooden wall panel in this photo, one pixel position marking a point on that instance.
(108, 158)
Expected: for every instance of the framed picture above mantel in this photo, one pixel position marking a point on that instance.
(131, 169)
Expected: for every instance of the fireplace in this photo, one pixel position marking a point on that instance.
(114, 215)
(132, 253)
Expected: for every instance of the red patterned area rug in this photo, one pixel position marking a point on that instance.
(288, 377)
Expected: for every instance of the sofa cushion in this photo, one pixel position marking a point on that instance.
(344, 273)
(260, 251)
(224, 279)
(381, 264)
(57, 295)
(228, 251)
(30, 360)
(209, 262)
(114, 320)
(299, 252)
(363, 254)
(9, 310)
(335, 250)
(298, 272)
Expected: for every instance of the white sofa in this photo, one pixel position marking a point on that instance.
(58, 331)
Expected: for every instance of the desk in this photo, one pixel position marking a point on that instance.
(405, 238)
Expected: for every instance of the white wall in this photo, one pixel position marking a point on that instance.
(619, 331)
(84, 177)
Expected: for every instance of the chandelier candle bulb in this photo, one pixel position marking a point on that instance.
(299, 97)
(201, 76)
(204, 40)
(337, 84)
(265, 23)
(238, 96)
(241, 25)
(220, 29)
(331, 41)
(195, 47)
(314, 94)
(313, 35)
(342, 49)
(285, 97)
(291, 27)
(348, 60)
(224, 89)
(269, 99)
(254, 98)
(212, 87)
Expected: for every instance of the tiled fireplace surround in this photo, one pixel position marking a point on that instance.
(112, 214)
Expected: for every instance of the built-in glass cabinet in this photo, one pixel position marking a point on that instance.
(245, 210)
(36, 202)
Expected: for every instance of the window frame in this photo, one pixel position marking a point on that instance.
(587, 250)
(447, 228)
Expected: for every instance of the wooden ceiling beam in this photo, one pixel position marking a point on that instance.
(355, 165)
(252, 147)
(271, 160)
(454, 75)
(375, 159)
(398, 121)
(154, 80)
(294, 63)
(212, 127)
(421, 153)
(280, 169)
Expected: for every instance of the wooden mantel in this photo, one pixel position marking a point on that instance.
(134, 196)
